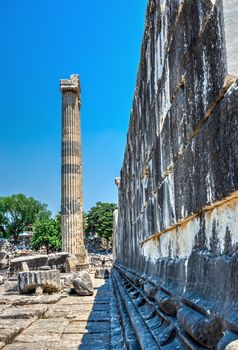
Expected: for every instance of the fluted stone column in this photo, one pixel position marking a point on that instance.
(71, 170)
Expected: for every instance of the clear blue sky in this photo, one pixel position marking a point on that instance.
(43, 41)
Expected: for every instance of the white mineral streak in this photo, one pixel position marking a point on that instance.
(210, 186)
(161, 42)
(186, 275)
(205, 80)
(150, 250)
(172, 196)
(168, 209)
(148, 55)
(165, 97)
(223, 217)
(179, 242)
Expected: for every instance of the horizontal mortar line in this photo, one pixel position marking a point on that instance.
(182, 222)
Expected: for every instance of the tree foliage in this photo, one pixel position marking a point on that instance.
(47, 233)
(100, 219)
(18, 213)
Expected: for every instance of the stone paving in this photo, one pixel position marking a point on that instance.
(57, 321)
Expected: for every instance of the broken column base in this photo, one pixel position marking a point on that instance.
(83, 260)
(82, 256)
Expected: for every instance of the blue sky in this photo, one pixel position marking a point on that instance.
(43, 41)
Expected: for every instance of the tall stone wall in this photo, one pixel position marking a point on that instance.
(177, 227)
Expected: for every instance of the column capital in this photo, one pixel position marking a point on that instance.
(71, 84)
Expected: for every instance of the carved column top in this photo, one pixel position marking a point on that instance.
(117, 181)
(71, 84)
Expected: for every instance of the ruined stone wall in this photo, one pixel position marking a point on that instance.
(178, 201)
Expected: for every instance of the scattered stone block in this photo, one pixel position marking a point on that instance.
(66, 280)
(34, 262)
(83, 284)
(4, 260)
(232, 346)
(29, 282)
(60, 258)
(10, 286)
(101, 273)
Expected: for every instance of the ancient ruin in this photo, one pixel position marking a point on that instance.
(174, 280)
(175, 241)
(71, 171)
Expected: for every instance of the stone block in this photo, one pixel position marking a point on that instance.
(4, 260)
(200, 175)
(61, 257)
(166, 202)
(48, 281)
(205, 73)
(177, 57)
(34, 262)
(180, 128)
(82, 284)
(101, 273)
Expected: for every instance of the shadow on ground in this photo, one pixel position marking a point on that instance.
(97, 330)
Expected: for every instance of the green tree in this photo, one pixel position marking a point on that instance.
(47, 233)
(18, 213)
(100, 219)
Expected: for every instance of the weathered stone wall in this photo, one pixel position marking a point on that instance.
(178, 202)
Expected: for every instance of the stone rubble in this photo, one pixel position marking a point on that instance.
(82, 283)
(59, 321)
